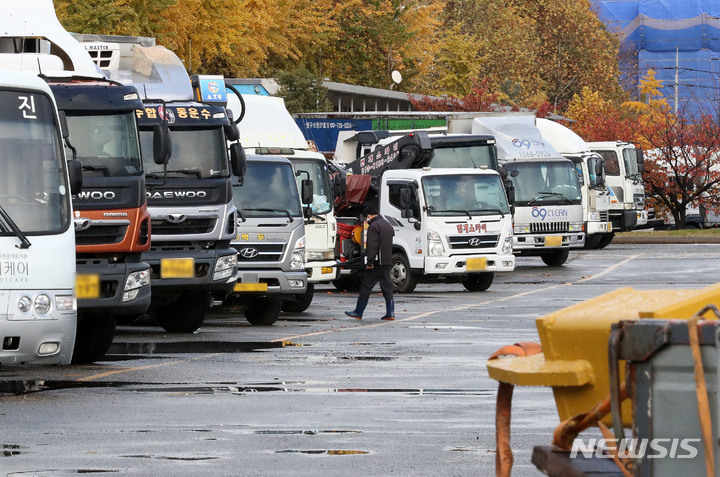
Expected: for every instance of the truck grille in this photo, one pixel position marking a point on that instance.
(186, 227)
(101, 234)
(549, 227)
(473, 241)
(260, 252)
(604, 216)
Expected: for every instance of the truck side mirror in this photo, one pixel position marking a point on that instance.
(238, 160)
(76, 178)
(639, 157)
(409, 154)
(162, 144)
(65, 130)
(339, 185)
(232, 133)
(306, 191)
(510, 191)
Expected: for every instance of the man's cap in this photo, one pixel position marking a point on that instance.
(369, 210)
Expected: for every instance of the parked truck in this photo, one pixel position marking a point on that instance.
(623, 171)
(591, 170)
(266, 127)
(193, 218)
(451, 224)
(37, 244)
(112, 224)
(548, 218)
(271, 240)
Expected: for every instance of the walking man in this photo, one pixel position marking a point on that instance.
(379, 259)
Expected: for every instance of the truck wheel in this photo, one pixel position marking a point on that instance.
(95, 333)
(263, 311)
(605, 241)
(299, 303)
(478, 282)
(402, 279)
(556, 258)
(186, 314)
(351, 283)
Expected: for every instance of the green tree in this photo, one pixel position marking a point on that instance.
(303, 92)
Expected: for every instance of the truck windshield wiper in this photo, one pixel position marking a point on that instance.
(105, 170)
(24, 242)
(287, 212)
(494, 211)
(195, 172)
(451, 210)
(545, 194)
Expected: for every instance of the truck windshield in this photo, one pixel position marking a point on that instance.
(630, 160)
(318, 172)
(199, 153)
(544, 182)
(464, 156)
(106, 144)
(268, 190)
(33, 188)
(472, 194)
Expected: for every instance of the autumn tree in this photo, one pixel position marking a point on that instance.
(303, 92)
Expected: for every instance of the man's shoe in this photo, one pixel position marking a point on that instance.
(353, 314)
(389, 310)
(388, 318)
(358, 311)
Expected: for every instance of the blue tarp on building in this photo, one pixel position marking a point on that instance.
(660, 34)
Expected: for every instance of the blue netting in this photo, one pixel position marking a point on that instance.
(658, 31)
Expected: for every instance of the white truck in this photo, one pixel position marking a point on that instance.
(548, 217)
(266, 127)
(623, 173)
(589, 165)
(37, 238)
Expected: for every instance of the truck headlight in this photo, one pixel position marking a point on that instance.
(316, 256)
(521, 229)
(297, 262)
(65, 302)
(432, 235)
(435, 246)
(137, 280)
(225, 267)
(628, 206)
(575, 228)
(42, 304)
(300, 243)
(507, 245)
(24, 304)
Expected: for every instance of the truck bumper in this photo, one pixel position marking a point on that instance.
(112, 287)
(457, 264)
(204, 271)
(28, 335)
(523, 243)
(598, 227)
(623, 219)
(319, 272)
(277, 282)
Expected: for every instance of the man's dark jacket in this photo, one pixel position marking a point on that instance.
(379, 241)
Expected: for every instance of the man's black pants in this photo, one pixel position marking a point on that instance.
(371, 277)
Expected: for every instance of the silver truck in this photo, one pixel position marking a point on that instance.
(270, 239)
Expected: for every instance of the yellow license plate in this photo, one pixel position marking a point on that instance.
(553, 241)
(250, 287)
(476, 264)
(326, 270)
(177, 268)
(87, 286)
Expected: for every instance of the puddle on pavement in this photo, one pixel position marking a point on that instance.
(172, 457)
(320, 452)
(25, 387)
(194, 347)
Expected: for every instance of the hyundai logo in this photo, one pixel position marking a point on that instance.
(82, 223)
(175, 218)
(474, 242)
(249, 252)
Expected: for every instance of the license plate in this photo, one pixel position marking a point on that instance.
(87, 286)
(476, 264)
(250, 287)
(553, 241)
(177, 268)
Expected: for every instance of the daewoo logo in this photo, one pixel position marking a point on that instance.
(474, 242)
(175, 218)
(96, 195)
(249, 252)
(82, 223)
(178, 194)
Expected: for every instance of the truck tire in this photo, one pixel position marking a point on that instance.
(263, 310)
(401, 277)
(186, 314)
(556, 258)
(94, 335)
(350, 283)
(605, 241)
(478, 282)
(299, 303)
